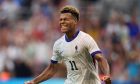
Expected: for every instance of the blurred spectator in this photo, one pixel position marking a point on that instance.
(112, 25)
(124, 33)
(134, 29)
(134, 63)
(10, 8)
(22, 69)
(25, 9)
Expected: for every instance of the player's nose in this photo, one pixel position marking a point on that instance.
(61, 22)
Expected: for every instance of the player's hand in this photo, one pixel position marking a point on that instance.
(106, 79)
(29, 82)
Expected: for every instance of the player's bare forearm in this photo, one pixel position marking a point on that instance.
(46, 74)
(103, 64)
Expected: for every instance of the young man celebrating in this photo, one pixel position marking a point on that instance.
(78, 51)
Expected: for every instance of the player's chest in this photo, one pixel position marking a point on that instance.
(71, 49)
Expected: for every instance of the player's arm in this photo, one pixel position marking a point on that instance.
(95, 52)
(103, 64)
(104, 67)
(45, 75)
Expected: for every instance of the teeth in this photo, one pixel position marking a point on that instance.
(63, 26)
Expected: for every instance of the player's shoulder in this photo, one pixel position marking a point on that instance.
(59, 41)
(85, 35)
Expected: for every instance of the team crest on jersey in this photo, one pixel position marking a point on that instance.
(76, 49)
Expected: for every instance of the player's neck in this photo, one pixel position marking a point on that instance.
(71, 34)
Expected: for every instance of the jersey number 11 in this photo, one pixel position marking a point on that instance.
(73, 65)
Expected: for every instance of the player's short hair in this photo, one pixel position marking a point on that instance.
(71, 9)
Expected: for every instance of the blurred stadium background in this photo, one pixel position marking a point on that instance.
(28, 29)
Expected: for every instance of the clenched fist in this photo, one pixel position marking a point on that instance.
(106, 79)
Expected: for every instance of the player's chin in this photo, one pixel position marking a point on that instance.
(64, 30)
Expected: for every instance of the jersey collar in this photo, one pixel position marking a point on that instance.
(75, 35)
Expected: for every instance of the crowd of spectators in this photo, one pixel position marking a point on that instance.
(29, 28)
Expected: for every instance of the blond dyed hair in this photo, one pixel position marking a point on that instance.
(71, 9)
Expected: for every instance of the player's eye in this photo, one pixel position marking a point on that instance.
(60, 19)
(64, 19)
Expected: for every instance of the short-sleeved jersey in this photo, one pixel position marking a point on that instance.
(77, 54)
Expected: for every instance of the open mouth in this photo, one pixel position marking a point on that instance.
(63, 26)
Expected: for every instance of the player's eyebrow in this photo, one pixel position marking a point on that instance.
(64, 18)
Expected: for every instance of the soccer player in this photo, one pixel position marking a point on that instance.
(78, 51)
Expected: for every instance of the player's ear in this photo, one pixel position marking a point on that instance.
(75, 21)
